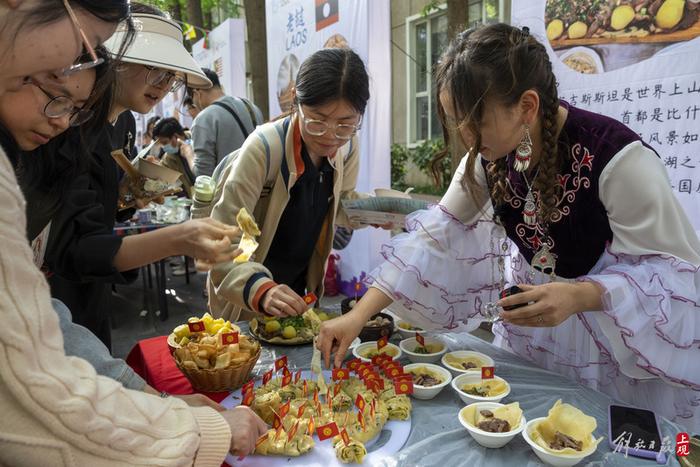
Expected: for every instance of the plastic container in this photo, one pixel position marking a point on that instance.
(204, 189)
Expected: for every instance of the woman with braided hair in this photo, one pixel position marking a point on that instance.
(570, 206)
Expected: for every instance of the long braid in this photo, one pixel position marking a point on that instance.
(497, 172)
(499, 63)
(546, 183)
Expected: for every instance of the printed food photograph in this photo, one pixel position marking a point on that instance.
(582, 33)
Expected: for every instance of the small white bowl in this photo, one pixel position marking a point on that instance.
(557, 460)
(428, 392)
(373, 344)
(411, 343)
(406, 333)
(468, 378)
(486, 438)
(353, 344)
(488, 361)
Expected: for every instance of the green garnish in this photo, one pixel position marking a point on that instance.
(297, 322)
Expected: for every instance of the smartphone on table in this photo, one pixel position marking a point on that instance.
(635, 432)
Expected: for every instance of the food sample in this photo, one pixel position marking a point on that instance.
(490, 388)
(208, 352)
(270, 397)
(464, 363)
(373, 351)
(289, 330)
(566, 430)
(499, 420)
(352, 453)
(493, 424)
(250, 230)
(322, 315)
(422, 376)
(279, 444)
(378, 322)
(182, 334)
(247, 223)
(428, 348)
(408, 326)
(152, 185)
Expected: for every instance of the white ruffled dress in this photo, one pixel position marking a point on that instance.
(642, 348)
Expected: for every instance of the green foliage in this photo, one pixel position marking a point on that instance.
(422, 156)
(432, 5)
(399, 158)
(218, 9)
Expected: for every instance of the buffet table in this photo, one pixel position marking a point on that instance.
(437, 437)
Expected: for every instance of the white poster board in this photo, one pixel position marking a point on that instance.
(298, 28)
(651, 83)
(225, 54)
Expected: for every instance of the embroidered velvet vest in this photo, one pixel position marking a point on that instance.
(580, 229)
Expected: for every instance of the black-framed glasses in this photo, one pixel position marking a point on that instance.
(60, 106)
(158, 77)
(342, 131)
(86, 43)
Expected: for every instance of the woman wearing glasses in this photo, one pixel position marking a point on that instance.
(57, 410)
(291, 175)
(82, 253)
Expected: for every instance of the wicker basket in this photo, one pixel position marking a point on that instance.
(225, 379)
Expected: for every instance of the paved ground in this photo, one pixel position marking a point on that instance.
(130, 323)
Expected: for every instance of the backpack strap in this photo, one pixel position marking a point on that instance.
(251, 111)
(245, 131)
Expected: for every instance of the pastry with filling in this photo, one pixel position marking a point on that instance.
(371, 352)
(250, 230)
(566, 430)
(490, 388)
(279, 445)
(464, 363)
(352, 453)
(498, 420)
(428, 349)
(425, 377)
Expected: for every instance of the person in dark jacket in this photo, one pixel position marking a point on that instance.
(81, 252)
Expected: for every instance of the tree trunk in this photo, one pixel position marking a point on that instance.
(457, 20)
(195, 16)
(208, 20)
(257, 52)
(457, 17)
(176, 10)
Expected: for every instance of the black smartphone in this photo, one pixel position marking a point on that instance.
(635, 432)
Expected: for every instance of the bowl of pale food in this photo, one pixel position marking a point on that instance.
(460, 362)
(428, 379)
(492, 424)
(471, 388)
(428, 353)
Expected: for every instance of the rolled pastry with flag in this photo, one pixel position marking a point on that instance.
(352, 453)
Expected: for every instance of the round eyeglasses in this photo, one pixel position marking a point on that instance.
(158, 77)
(60, 106)
(342, 131)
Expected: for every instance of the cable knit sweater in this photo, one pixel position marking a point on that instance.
(56, 410)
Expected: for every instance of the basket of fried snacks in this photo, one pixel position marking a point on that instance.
(213, 364)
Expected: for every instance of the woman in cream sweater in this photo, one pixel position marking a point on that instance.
(56, 410)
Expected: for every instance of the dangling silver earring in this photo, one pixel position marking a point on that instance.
(523, 152)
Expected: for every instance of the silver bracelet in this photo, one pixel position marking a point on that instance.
(164, 394)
